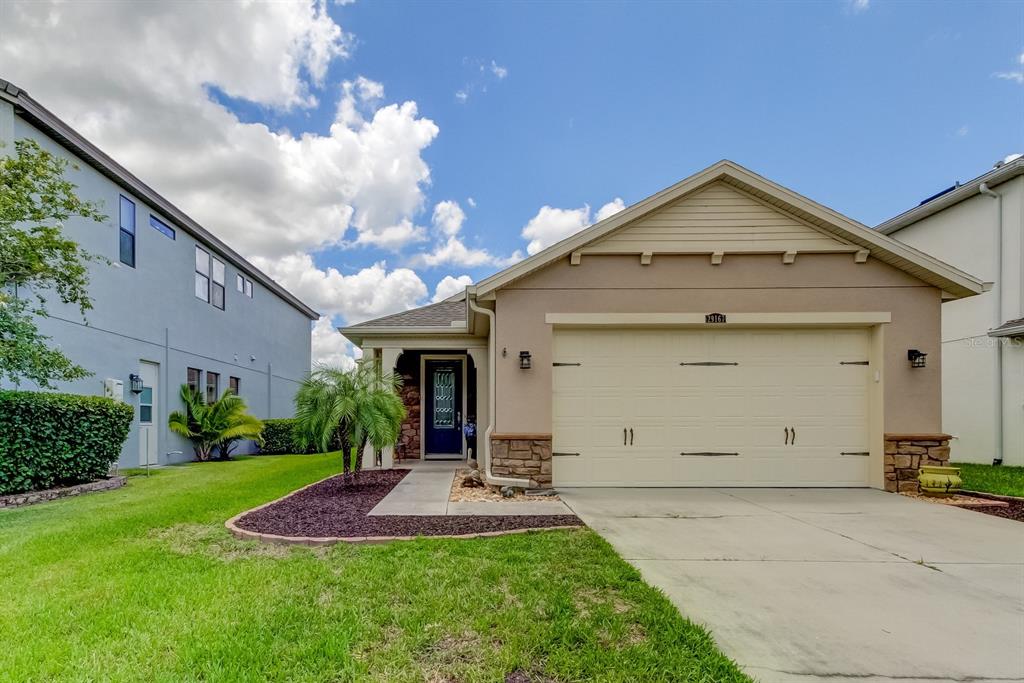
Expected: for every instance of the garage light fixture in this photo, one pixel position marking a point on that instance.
(916, 358)
(524, 360)
(135, 381)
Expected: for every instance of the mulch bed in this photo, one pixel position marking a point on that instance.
(335, 508)
(1014, 508)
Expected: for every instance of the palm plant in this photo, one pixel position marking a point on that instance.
(213, 425)
(361, 406)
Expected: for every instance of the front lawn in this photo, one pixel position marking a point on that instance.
(1003, 480)
(144, 583)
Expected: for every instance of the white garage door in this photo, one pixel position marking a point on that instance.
(778, 407)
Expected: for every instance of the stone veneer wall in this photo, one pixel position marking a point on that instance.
(409, 442)
(906, 453)
(523, 456)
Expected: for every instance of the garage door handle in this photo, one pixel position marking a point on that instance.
(630, 436)
(558, 454)
(855, 453)
(793, 442)
(707, 453)
(709, 364)
(787, 436)
(623, 436)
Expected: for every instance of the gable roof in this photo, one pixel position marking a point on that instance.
(954, 282)
(42, 118)
(999, 174)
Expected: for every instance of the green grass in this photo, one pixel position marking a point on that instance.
(1003, 480)
(144, 583)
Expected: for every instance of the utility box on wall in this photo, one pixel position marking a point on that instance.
(114, 388)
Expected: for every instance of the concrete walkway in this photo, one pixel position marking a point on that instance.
(426, 489)
(815, 585)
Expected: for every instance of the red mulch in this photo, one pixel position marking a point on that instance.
(335, 508)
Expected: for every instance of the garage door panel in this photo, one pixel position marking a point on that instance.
(783, 378)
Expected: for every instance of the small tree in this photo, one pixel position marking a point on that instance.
(36, 259)
(362, 405)
(216, 425)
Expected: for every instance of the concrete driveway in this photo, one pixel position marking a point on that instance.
(815, 584)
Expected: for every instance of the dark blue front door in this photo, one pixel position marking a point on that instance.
(443, 407)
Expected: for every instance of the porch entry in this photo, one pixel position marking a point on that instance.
(443, 407)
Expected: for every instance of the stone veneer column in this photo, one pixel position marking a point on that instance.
(524, 456)
(905, 454)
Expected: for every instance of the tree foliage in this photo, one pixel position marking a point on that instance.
(362, 404)
(216, 425)
(37, 261)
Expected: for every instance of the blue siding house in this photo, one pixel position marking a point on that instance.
(177, 305)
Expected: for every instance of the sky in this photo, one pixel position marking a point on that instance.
(376, 156)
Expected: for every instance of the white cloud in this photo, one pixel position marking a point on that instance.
(330, 348)
(499, 71)
(139, 80)
(369, 293)
(610, 209)
(858, 6)
(448, 217)
(962, 131)
(1017, 76)
(552, 225)
(461, 96)
(450, 286)
(471, 202)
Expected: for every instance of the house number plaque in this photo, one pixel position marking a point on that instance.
(714, 318)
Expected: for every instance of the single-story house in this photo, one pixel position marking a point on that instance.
(725, 331)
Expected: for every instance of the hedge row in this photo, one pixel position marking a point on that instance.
(277, 436)
(279, 439)
(49, 440)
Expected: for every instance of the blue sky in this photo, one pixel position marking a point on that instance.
(865, 111)
(375, 156)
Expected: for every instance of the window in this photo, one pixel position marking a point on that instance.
(248, 288)
(240, 283)
(235, 384)
(155, 222)
(202, 274)
(217, 288)
(194, 377)
(127, 231)
(146, 405)
(212, 386)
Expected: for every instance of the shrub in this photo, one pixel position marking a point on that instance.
(277, 436)
(53, 440)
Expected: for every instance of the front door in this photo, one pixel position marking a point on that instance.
(148, 414)
(443, 408)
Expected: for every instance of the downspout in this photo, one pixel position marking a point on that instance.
(492, 399)
(998, 295)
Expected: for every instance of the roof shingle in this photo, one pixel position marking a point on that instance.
(441, 314)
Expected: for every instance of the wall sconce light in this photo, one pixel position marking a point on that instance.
(136, 383)
(916, 358)
(524, 360)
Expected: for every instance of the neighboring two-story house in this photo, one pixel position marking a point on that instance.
(979, 227)
(177, 305)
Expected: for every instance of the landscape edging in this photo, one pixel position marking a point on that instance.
(13, 500)
(317, 541)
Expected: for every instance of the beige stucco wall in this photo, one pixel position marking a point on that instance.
(742, 283)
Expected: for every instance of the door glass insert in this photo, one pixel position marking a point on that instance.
(146, 405)
(444, 398)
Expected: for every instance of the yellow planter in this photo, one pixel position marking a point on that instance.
(941, 482)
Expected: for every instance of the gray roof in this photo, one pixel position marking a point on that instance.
(1011, 328)
(441, 314)
(27, 108)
